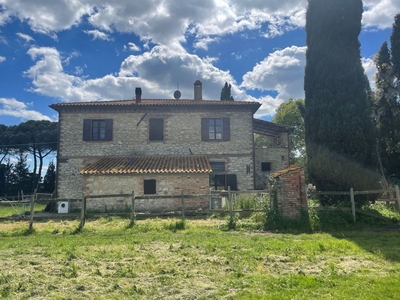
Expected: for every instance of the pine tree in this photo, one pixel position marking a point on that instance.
(339, 129)
(226, 92)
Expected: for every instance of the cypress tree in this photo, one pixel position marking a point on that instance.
(395, 47)
(226, 92)
(387, 112)
(339, 129)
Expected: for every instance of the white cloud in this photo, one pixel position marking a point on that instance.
(44, 16)
(2, 58)
(12, 107)
(98, 35)
(282, 71)
(380, 13)
(25, 37)
(132, 47)
(160, 70)
(370, 70)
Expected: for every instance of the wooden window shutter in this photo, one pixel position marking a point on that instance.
(226, 129)
(204, 129)
(109, 130)
(87, 129)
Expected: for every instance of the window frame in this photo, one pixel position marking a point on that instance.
(224, 130)
(149, 187)
(92, 130)
(156, 134)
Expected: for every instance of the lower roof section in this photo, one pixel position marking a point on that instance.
(149, 165)
(270, 129)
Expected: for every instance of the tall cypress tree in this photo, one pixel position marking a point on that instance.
(226, 92)
(387, 113)
(395, 47)
(340, 134)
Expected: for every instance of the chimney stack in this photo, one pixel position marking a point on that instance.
(198, 93)
(138, 93)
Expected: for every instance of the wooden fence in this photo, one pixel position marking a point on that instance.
(392, 194)
(229, 195)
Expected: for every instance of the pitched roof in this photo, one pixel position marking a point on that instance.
(149, 165)
(156, 102)
(270, 129)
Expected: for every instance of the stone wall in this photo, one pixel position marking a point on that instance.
(279, 159)
(182, 136)
(289, 192)
(166, 184)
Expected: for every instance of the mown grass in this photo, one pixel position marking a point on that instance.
(194, 259)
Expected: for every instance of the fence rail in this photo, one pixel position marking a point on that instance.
(392, 193)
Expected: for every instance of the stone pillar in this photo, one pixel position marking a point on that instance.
(288, 193)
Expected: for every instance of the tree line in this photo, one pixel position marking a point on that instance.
(346, 134)
(33, 139)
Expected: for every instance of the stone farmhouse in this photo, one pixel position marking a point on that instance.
(164, 147)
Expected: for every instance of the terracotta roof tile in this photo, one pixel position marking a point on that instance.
(146, 102)
(149, 164)
(285, 171)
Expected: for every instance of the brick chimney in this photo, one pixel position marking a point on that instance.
(138, 93)
(198, 90)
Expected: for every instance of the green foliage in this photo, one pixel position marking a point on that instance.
(174, 226)
(338, 113)
(288, 113)
(387, 113)
(250, 201)
(395, 46)
(49, 180)
(226, 92)
(340, 174)
(276, 221)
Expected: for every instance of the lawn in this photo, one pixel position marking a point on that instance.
(199, 259)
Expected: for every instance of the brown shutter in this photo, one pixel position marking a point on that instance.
(87, 128)
(226, 129)
(204, 129)
(109, 130)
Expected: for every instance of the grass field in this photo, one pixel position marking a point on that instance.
(198, 259)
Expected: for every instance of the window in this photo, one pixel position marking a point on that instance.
(217, 166)
(98, 130)
(215, 129)
(149, 187)
(265, 166)
(156, 129)
(223, 181)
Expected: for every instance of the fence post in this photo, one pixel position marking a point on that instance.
(353, 204)
(397, 197)
(230, 203)
(83, 213)
(133, 213)
(183, 205)
(32, 212)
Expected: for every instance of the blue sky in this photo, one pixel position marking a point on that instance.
(93, 50)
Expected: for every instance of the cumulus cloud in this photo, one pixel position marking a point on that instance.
(98, 35)
(132, 47)
(12, 107)
(282, 71)
(25, 37)
(380, 13)
(2, 58)
(160, 70)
